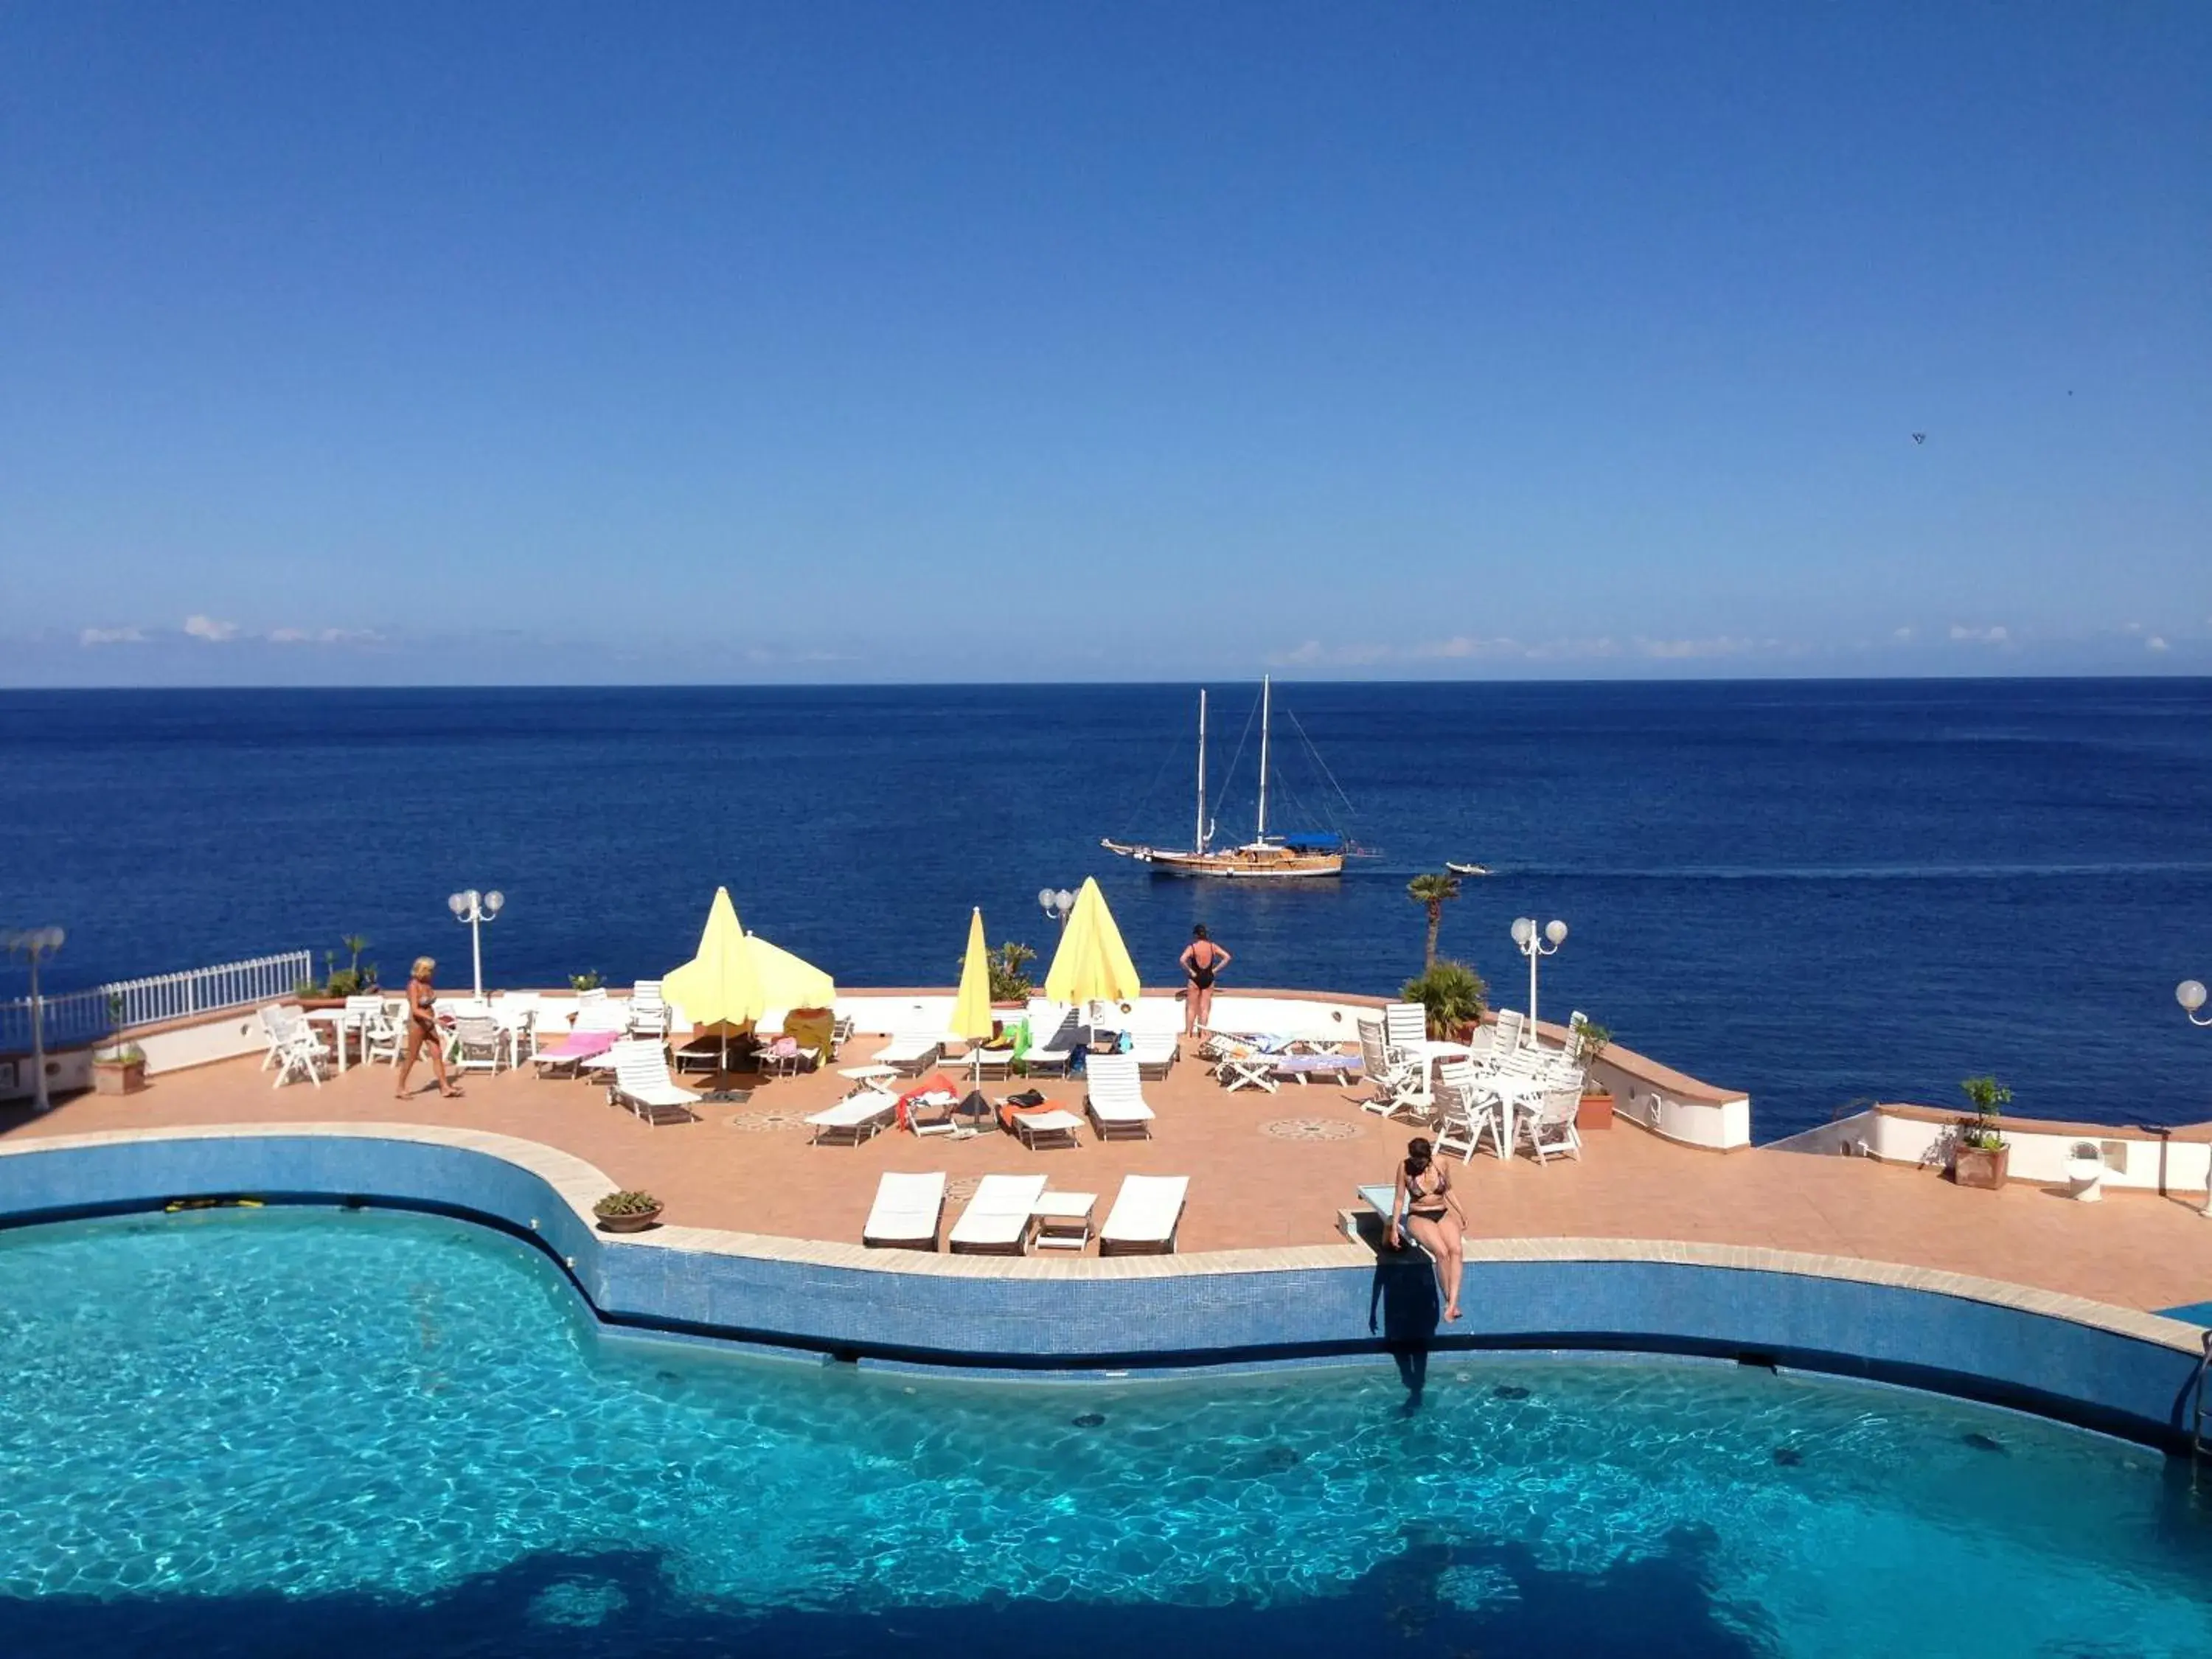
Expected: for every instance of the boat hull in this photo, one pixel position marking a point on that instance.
(1256, 863)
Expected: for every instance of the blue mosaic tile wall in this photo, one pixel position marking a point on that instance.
(2102, 1378)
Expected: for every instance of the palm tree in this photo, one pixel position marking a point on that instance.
(1432, 891)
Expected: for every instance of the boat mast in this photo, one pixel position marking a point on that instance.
(1264, 694)
(1198, 842)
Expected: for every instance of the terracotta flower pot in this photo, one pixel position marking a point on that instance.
(630, 1223)
(1976, 1166)
(1595, 1113)
(117, 1077)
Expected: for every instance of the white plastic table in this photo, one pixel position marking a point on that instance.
(871, 1077)
(340, 1021)
(1063, 1220)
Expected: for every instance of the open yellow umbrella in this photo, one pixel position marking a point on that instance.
(786, 981)
(718, 989)
(1092, 964)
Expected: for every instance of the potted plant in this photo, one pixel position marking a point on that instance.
(339, 983)
(1590, 1041)
(627, 1212)
(1452, 992)
(119, 1069)
(1010, 985)
(589, 979)
(1979, 1150)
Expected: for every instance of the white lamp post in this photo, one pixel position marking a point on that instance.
(1057, 901)
(1535, 945)
(2190, 993)
(34, 945)
(476, 909)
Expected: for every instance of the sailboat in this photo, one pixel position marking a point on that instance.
(1265, 857)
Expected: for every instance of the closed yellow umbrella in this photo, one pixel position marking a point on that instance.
(971, 1009)
(718, 989)
(1092, 964)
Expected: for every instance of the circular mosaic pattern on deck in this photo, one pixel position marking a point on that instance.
(1311, 1128)
(959, 1189)
(762, 1122)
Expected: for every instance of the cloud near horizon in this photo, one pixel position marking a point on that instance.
(207, 628)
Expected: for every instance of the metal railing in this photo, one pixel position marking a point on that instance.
(80, 1017)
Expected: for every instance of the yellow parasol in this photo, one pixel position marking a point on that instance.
(1092, 964)
(718, 989)
(786, 981)
(971, 1009)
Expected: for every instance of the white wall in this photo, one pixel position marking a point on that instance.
(2039, 1156)
(220, 1036)
(1716, 1125)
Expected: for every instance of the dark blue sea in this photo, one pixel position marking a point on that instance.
(1820, 892)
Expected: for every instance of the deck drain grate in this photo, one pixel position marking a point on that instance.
(763, 1122)
(1311, 1128)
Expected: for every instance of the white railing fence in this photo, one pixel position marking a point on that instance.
(81, 1017)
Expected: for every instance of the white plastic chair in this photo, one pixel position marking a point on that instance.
(648, 1010)
(1406, 1025)
(294, 1046)
(1399, 1079)
(476, 1043)
(383, 1031)
(1549, 1130)
(1468, 1112)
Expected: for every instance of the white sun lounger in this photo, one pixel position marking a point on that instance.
(1053, 1035)
(1146, 1213)
(1039, 1130)
(912, 1051)
(853, 1119)
(642, 1084)
(1116, 1099)
(1154, 1054)
(906, 1215)
(996, 1219)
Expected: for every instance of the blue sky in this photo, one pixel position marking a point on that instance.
(841, 341)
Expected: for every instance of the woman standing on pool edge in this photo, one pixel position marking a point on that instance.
(422, 1029)
(1202, 960)
(1432, 1216)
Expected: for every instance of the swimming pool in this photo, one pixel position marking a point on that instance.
(366, 1431)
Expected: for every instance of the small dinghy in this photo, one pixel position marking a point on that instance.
(1467, 869)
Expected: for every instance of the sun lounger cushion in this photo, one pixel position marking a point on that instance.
(1147, 1213)
(998, 1216)
(579, 1045)
(907, 1211)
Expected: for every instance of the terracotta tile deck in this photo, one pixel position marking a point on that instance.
(749, 1167)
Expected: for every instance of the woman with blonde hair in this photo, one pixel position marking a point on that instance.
(422, 1029)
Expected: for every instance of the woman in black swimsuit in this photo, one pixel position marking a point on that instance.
(1202, 961)
(1432, 1216)
(422, 1030)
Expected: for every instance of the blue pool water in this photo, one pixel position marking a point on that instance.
(1818, 892)
(354, 1433)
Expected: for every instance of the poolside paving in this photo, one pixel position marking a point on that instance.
(1267, 1171)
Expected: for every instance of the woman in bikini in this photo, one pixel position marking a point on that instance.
(422, 1029)
(1202, 962)
(1432, 1216)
